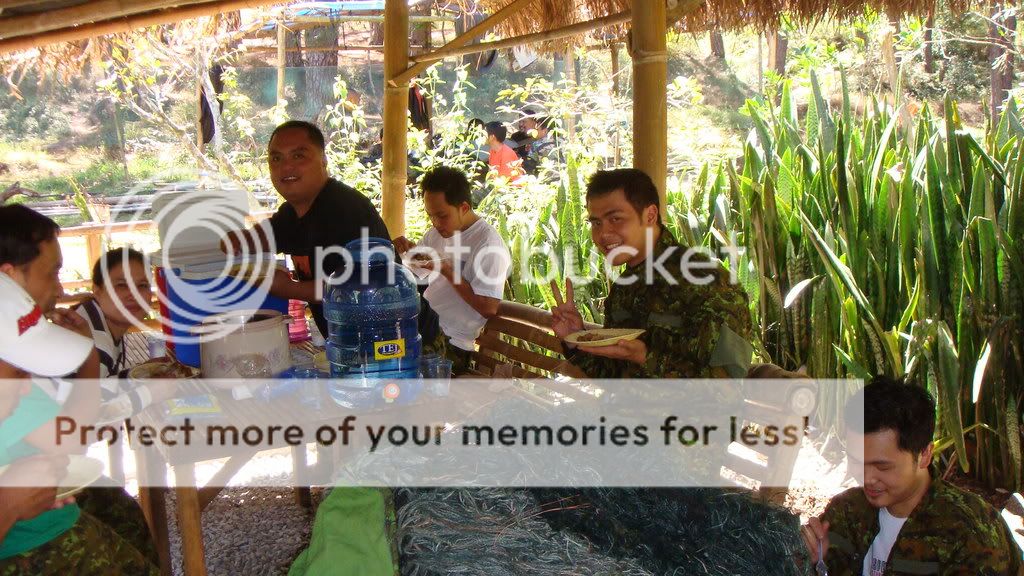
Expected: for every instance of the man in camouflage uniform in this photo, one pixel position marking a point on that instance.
(40, 535)
(89, 548)
(934, 528)
(696, 321)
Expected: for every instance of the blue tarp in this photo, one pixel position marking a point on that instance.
(307, 8)
(326, 8)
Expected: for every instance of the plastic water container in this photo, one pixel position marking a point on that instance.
(373, 329)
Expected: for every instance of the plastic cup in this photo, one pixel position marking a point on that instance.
(309, 392)
(439, 375)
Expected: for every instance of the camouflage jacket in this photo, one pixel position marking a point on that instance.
(951, 532)
(683, 321)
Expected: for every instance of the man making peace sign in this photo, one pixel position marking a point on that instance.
(695, 316)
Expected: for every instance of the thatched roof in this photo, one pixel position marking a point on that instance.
(28, 23)
(703, 15)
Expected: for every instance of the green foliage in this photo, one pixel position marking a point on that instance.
(887, 246)
(33, 119)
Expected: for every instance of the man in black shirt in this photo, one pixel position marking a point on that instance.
(319, 212)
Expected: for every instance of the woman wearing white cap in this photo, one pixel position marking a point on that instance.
(38, 534)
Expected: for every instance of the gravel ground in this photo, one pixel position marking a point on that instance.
(250, 531)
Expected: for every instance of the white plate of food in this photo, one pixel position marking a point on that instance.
(83, 471)
(421, 264)
(603, 336)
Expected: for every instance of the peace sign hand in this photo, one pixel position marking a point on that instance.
(565, 317)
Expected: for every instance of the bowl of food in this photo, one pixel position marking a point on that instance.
(161, 369)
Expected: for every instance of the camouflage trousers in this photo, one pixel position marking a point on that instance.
(89, 548)
(442, 346)
(122, 514)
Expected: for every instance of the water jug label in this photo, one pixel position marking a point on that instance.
(389, 349)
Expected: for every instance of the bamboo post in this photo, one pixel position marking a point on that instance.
(94, 246)
(396, 110)
(650, 98)
(282, 59)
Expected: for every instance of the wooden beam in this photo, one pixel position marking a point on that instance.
(650, 98)
(8, 4)
(128, 23)
(547, 35)
(396, 111)
(462, 39)
(47, 20)
(222, 478)
(343, 48)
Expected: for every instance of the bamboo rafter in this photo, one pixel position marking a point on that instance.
(48, 20)
(546, 36)
(128, 23)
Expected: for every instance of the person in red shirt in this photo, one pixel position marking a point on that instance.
(502, 159)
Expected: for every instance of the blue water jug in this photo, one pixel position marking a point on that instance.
(371, 307)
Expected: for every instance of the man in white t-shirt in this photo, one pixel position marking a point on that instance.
(464, 260)
(904, 519)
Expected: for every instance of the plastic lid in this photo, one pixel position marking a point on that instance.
(372, 250)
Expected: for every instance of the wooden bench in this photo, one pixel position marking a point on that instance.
(518, 343)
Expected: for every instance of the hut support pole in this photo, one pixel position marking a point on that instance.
(650, 99)
(396, 110)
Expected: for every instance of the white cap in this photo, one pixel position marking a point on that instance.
(30, 342)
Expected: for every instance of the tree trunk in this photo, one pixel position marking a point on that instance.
(421, 31)
(929, 53)
(717, 45)
(321, 70)
(889, 60)
(778, 46)
(376, 33)
(295, 65)
(1002, 31)
(760, 64)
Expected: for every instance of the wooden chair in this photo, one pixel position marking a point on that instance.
(518, 343)
(784, 405)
